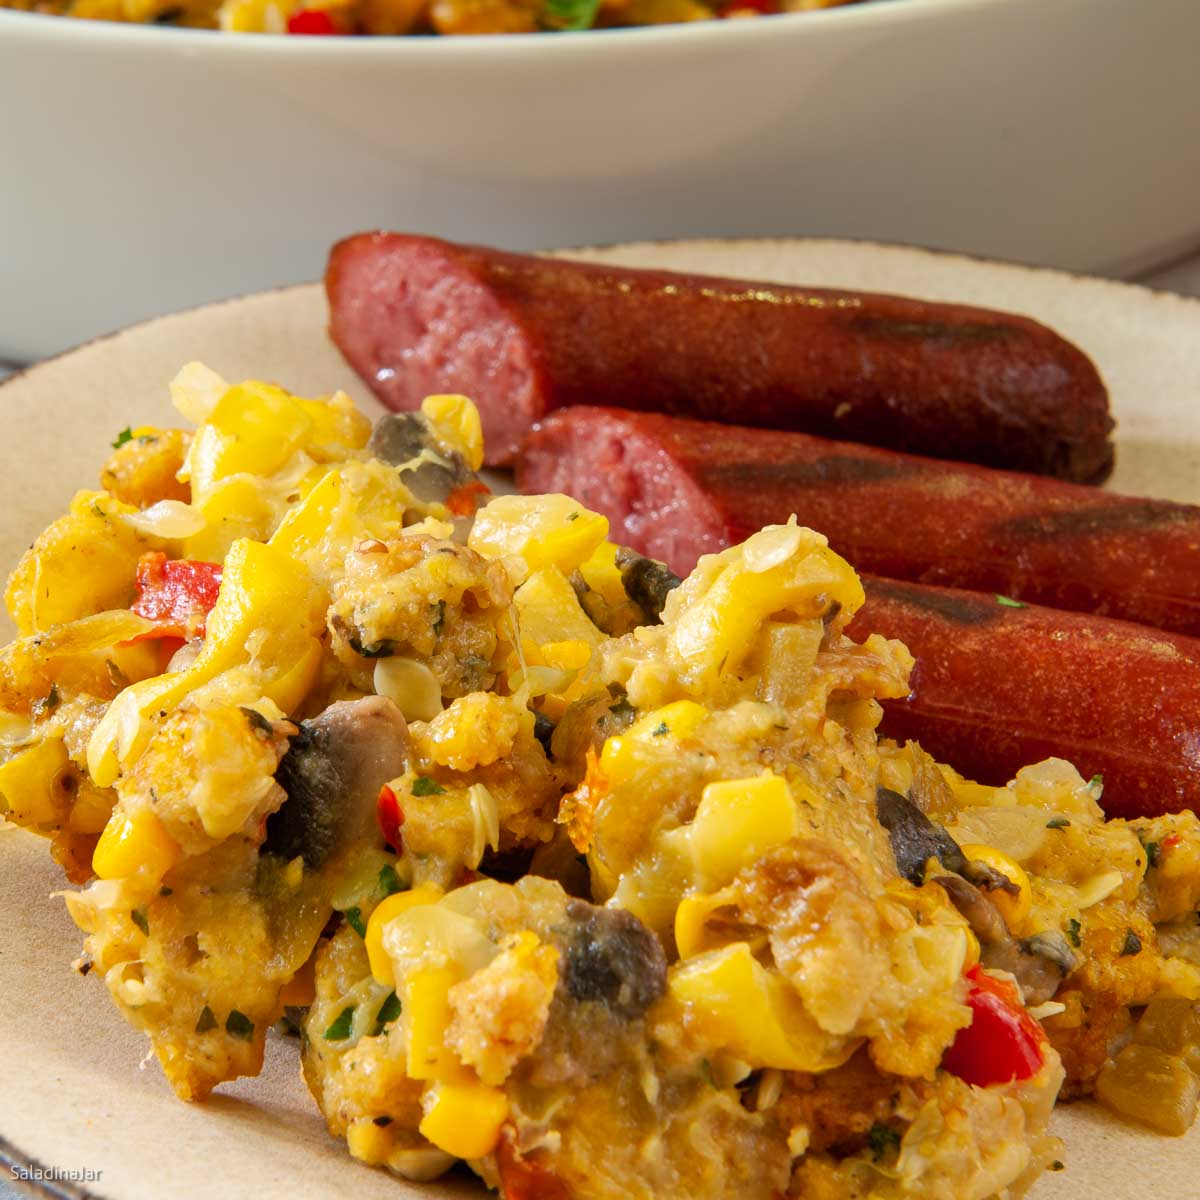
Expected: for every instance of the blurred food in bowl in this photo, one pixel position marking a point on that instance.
(391, 17)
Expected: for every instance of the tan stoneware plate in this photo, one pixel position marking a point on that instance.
(72, 1096)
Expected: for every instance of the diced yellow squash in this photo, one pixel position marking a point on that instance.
(738, 1006)
(601, 573)
(27, 785)
(269, 615)
(545, 531)
(455, 420)
(427, 1016)
(739, 820)
(464, 1119)
(718, 626)
(81, 564)
(368, 1142)
(692, 936)
(134, 845)
(238, 507)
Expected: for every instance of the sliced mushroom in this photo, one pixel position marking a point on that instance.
(647, 583)
(332, 774)
(430, 471)
(915, 838)
(613, 958)
(1039, 963)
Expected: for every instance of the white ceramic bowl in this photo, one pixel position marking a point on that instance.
(148, 169)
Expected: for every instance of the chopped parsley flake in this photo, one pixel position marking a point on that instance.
(570, 15)
(238, 1025)
(440, 620)
(1096, 782)
(1133, 944)
(126, 435)
(1009, 602)
(707, 1072)
(138, 916)
(49, 702)
(573, 516)
(389, 1010)
(883, 1140)
(339, 1031)
(424, 786)
(354, 919)
(1073, 928)
(661, 728)
(1153, 853)
(207, 1021)
(389, 881)
(1057, 823)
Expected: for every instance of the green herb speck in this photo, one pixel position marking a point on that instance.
(1009, 602)
(138, 916)
(569, 15)
(440, 620)
(389, 1010)
(573, 516)
(1133, 944)
(126, 435)
(238, 1025)
(207, 1021)
(339, 1031)
(883, 1140)
(1073, 928)
(1153, 853)
(354, 919)
(1057, 823)
(389, 881)
(707, 1072)
(424, 786)
(661, 728)
(49, 702)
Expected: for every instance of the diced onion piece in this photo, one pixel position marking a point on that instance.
(1099, 887)
(411, 686)
(196, 390)
(772, 546)
(169, 519)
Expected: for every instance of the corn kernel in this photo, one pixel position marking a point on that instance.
(368, 1142)
(545, 531)
(624, 755)
(738, 820)
(464, 1119)
(736, 1004)
(455, 420)
(691, 919)
(392, 906)
(1014, 909)
(136, 845)
(27, 792)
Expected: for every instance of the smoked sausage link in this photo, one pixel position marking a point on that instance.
(996, 688)
(523, 336)
(676, 489)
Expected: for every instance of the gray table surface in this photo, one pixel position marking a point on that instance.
(1182, 277)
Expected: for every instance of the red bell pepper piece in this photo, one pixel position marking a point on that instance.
(176, 593)
(464, 500)
(314, 21)
(1003, 1043)
(523, 1179)
(391, 818)
(764, 8)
